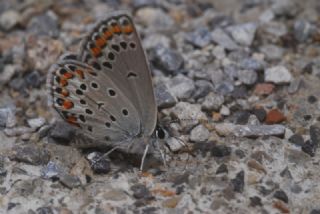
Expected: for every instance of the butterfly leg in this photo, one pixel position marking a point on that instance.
(144, 156)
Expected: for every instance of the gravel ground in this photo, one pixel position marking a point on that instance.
(239, 79)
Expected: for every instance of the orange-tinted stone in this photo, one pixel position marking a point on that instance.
(275, 116)
(264, 89)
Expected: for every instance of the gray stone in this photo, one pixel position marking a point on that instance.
(225, 111)
(203, 87)
(45, 24)
(36, 122)
(62, 132)
(70, 181)
(188, 114)
(302, 30)
(247, 77)
(286, 8)
(168, 60)
(164, 98)
(243, 34)
(174, 144)
(7, 117)
(181, 87)
(51, 170)
(99, 162)
(7, 74)
(156, 40)
(266, 16)
(278, 75)
(199, 134)
(199, 38)
(9, 19)
(217, 76)
(219, 52)
(222, 39)
(154, 18)
(272, 52)
(251, 64)
(212, 102)
(226, 129)
(294, 86)
(275, 29)
(140, 191)
(224, 88)
(30, 154)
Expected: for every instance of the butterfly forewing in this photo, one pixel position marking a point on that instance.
(114, 49)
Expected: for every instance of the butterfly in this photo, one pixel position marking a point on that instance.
(106, 90)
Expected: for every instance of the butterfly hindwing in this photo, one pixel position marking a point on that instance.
(91, 101)
(114, 49)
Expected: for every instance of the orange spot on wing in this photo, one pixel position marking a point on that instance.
(64, 92)
(67, 104)
(116, 29)
(67, 75)
(80, 73)
(63, 82)
(72, 120)
(96, 51)
(100, 42)
(127, 29)
(107, 34)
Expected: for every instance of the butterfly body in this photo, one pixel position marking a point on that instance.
(106, 90)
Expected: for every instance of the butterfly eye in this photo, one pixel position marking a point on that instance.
(160, 133)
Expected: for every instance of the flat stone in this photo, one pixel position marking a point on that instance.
(278, 75)
(7, 74)
(294, 86)
(302, 30)
(70, 181)
(220, 151)
(36, 122)
(248, 77)
(281, 195)
(62, 132)
(164, 98)
(167, 60)
(203, 88)
(188, 114)
(154, 18)
(181, 87)
(263, 88)
(44, 24)
(51, 170)
(199, 134)
(226, 129)
(243, 34)
(275, 116)
(222, 39)
(199, 38)
(9, 19)
(212, 102)
(156, 40)
(7, 117)
(296, 139)
(272, 52)
(30, 154)
(140, 191)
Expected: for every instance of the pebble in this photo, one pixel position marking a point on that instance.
(7, 74)
(168, 60)
(275, 29)
(238, 182)
(220, 151)
(99, 163)
(200, 38)
(285, 8)
(140, 191)
(302, 30)
(309, 147)
(30, 154)
(199, 134)
(281, 195)
(294, 86)
(272, 52)
(242, 117)
(62, 132)
(181, 87)
(224, 88)
(226, 129)
(51, 170)
(278, 75)
(212, 102)
(296, 139)
(248, 77)
(188, 114)
(156, 40)
(174, 144)
(9, 19)
(222, 39)
(36, 123)
(260, 113)
(251, 64)
(266, 16)
(264, 88)
(18, 131)
(163, 96)
(7, 117)
(34, 79)
(222, 169)
(315, 133)
(224, 110)
(203, 88)
(243, 34)
(154, 18)
(255, 201)
(253, 120)
(69, 181)
(171, 202)
(315, 211)
(275, 116)
(219, 52)
(44, 24)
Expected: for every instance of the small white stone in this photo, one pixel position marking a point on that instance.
(36, 122)
(278, 75)
(199, 134)
(224, 111)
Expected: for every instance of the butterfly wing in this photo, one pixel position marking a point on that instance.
(114, 49)
(92, 101)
